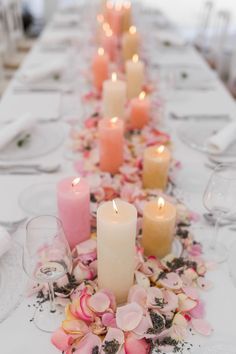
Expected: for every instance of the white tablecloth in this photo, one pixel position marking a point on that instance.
(17, 334)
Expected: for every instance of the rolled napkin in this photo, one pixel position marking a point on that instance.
(42, 72)
(220, 141)
(5, 241)
(12, 130)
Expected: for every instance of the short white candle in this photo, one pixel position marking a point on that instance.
(116, 233)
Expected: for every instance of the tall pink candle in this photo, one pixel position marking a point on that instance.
(73, 201)
(110, 44)
(139, 111)
(100, 68)
(116, 17)
(111, 144)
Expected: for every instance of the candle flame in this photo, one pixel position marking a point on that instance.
(106, 26)
(142, 95)
(114, 77)
(114, 120)
(160, 203)
(132, 30)
(75, 181)
(135, 58)
(100, 18)
(127, 5)
(115, 206)
(160, 149)
(101, 51)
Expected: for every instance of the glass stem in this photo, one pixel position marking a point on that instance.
(214, 240)
(51, 298)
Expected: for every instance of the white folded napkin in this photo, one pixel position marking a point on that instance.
(12, 130)
(220, 141)
(44, 71)
(5, 241)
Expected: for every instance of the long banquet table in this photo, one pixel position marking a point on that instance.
(17, 334)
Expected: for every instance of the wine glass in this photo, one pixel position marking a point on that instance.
(46, 258)
(232, 263)
(219, 200)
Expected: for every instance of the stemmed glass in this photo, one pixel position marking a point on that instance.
(220, 200)
(46, 258)
(232, 263)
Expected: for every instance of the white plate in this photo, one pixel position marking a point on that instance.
(39, 199)
(12, 281)
(44, 139)
(195, 133)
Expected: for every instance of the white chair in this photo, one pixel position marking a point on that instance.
(204, 21)
(232, 75)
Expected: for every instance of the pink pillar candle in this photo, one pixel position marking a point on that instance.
(139, 111)
(100, 68)
(73, 201)
(116, 17)
(110, 44)
(111, 144)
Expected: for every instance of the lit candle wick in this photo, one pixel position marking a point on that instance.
(109, 5)
(115, 206)
(106, 26)
(135, 58)
(160, 203)
(100, 18)
(75, 181)
(160, 149)
(109, 33)
(114, 77)
(142, 95)
(100, 51)
(132, 30)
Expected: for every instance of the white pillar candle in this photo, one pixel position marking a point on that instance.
(116, 233)
(135, 76)
(114, 97)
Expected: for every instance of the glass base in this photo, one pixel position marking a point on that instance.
(48, 321)
(217, 254)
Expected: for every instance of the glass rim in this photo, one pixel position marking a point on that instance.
(59, 222)
(221, 167)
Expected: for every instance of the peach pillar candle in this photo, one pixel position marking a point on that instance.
(100, 68)
(116, 233)
(116, 16)
(73, 201)
(127, 16)
(139, 111)
(156, 163)
(111, 144)
(130, 43)
(134, 76)
(110, 44)
(114, 97)
(159, 218)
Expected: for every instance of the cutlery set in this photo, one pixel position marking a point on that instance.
(28, 169)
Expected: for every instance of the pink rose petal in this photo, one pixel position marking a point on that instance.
(129, 316)
(185, 303)
(198, 311)
(99, 302)
(61, 340)
(201, 326)
(87, 246)
(171, 281)
(154, 294)
(137, 294)
(142, 328)
(77, 327)
(87, 344)
(191, 292)
(171, 301)
(114, 334)
(136, 346)
(107, 319)
(142, 279)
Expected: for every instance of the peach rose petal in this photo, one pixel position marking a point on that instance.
(99, 302)
(75, 327)
(142, 279)
(185, 303)
(88, 344)
(111, 296)
(129, 316)
(137, 294)
(154, 294)
(136, 346)
(61, 340)
(87, 246)
(201, 326)
(143, 327)
(107, 319)
(171, 281)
